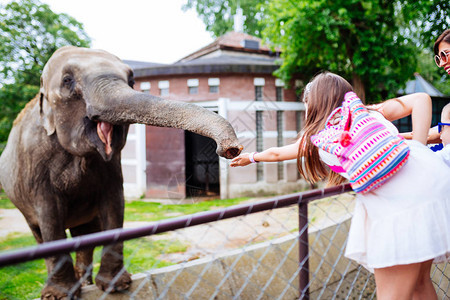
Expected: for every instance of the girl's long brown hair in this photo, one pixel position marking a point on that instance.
(326, 93)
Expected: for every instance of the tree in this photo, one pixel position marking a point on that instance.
(372, 43)
(432, 18)
(30, 33)
(217, 15)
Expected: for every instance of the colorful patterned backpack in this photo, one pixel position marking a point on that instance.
(368, 152)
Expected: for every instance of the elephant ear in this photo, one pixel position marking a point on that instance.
(46, 112)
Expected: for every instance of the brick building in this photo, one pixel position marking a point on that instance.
(232, 76)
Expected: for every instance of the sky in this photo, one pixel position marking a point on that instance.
(146, 30)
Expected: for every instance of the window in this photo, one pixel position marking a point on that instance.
(279, 85)
(163, 87)
(213, 85)
(279, 93)
(193, 90)
(299, 85)
(258, 93)
(259, 84)
(192, 86)
(145, 87)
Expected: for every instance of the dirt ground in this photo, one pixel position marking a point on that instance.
(11, 220)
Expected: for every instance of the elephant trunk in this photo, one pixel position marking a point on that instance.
(129, 106)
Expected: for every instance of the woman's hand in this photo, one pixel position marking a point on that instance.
(434, 137)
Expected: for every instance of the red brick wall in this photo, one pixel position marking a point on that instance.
(165, 146)
(165, 162)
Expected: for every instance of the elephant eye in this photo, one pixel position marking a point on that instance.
(68, 82)
(131, 82)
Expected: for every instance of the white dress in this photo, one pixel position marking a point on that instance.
(407, 220)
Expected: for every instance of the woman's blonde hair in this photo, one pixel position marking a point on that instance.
(324, 93)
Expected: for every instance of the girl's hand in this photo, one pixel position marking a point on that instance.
(241, 160)
(377, 107)
(406, 135)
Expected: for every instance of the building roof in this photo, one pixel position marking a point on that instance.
(234, 52)
(136, 65)
(419, 84)
(236, 41)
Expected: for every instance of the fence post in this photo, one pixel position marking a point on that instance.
(222, 105)
(303, 250)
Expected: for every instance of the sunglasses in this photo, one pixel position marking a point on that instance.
(440, 125)
(442, 57)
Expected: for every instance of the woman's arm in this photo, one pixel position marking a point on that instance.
(270, 155)
(417, 105)
(433, 136)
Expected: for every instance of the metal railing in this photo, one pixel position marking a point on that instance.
(328, 275)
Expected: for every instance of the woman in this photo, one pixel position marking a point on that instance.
(442, 51)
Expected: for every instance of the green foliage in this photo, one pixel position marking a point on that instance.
(13, 98)
(374, 44)
(431, 18)
(218, 16)
(29, 34)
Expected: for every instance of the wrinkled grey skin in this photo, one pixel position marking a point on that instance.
(61, 166)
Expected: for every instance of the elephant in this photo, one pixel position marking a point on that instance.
(61, 165)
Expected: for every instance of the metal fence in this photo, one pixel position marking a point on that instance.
(286, 247)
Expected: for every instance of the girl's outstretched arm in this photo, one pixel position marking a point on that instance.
(270, 155)
(418, 105)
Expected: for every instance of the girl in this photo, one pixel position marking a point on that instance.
(399, 229)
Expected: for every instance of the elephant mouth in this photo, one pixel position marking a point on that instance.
(104, 137)
(105, 132)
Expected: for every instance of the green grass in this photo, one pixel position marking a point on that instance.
(22, 281)
(5, 203)
(25, 280)
(151, 211)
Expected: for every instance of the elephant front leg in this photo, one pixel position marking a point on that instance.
(83, 265)
(61, 281)
(112, 275)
